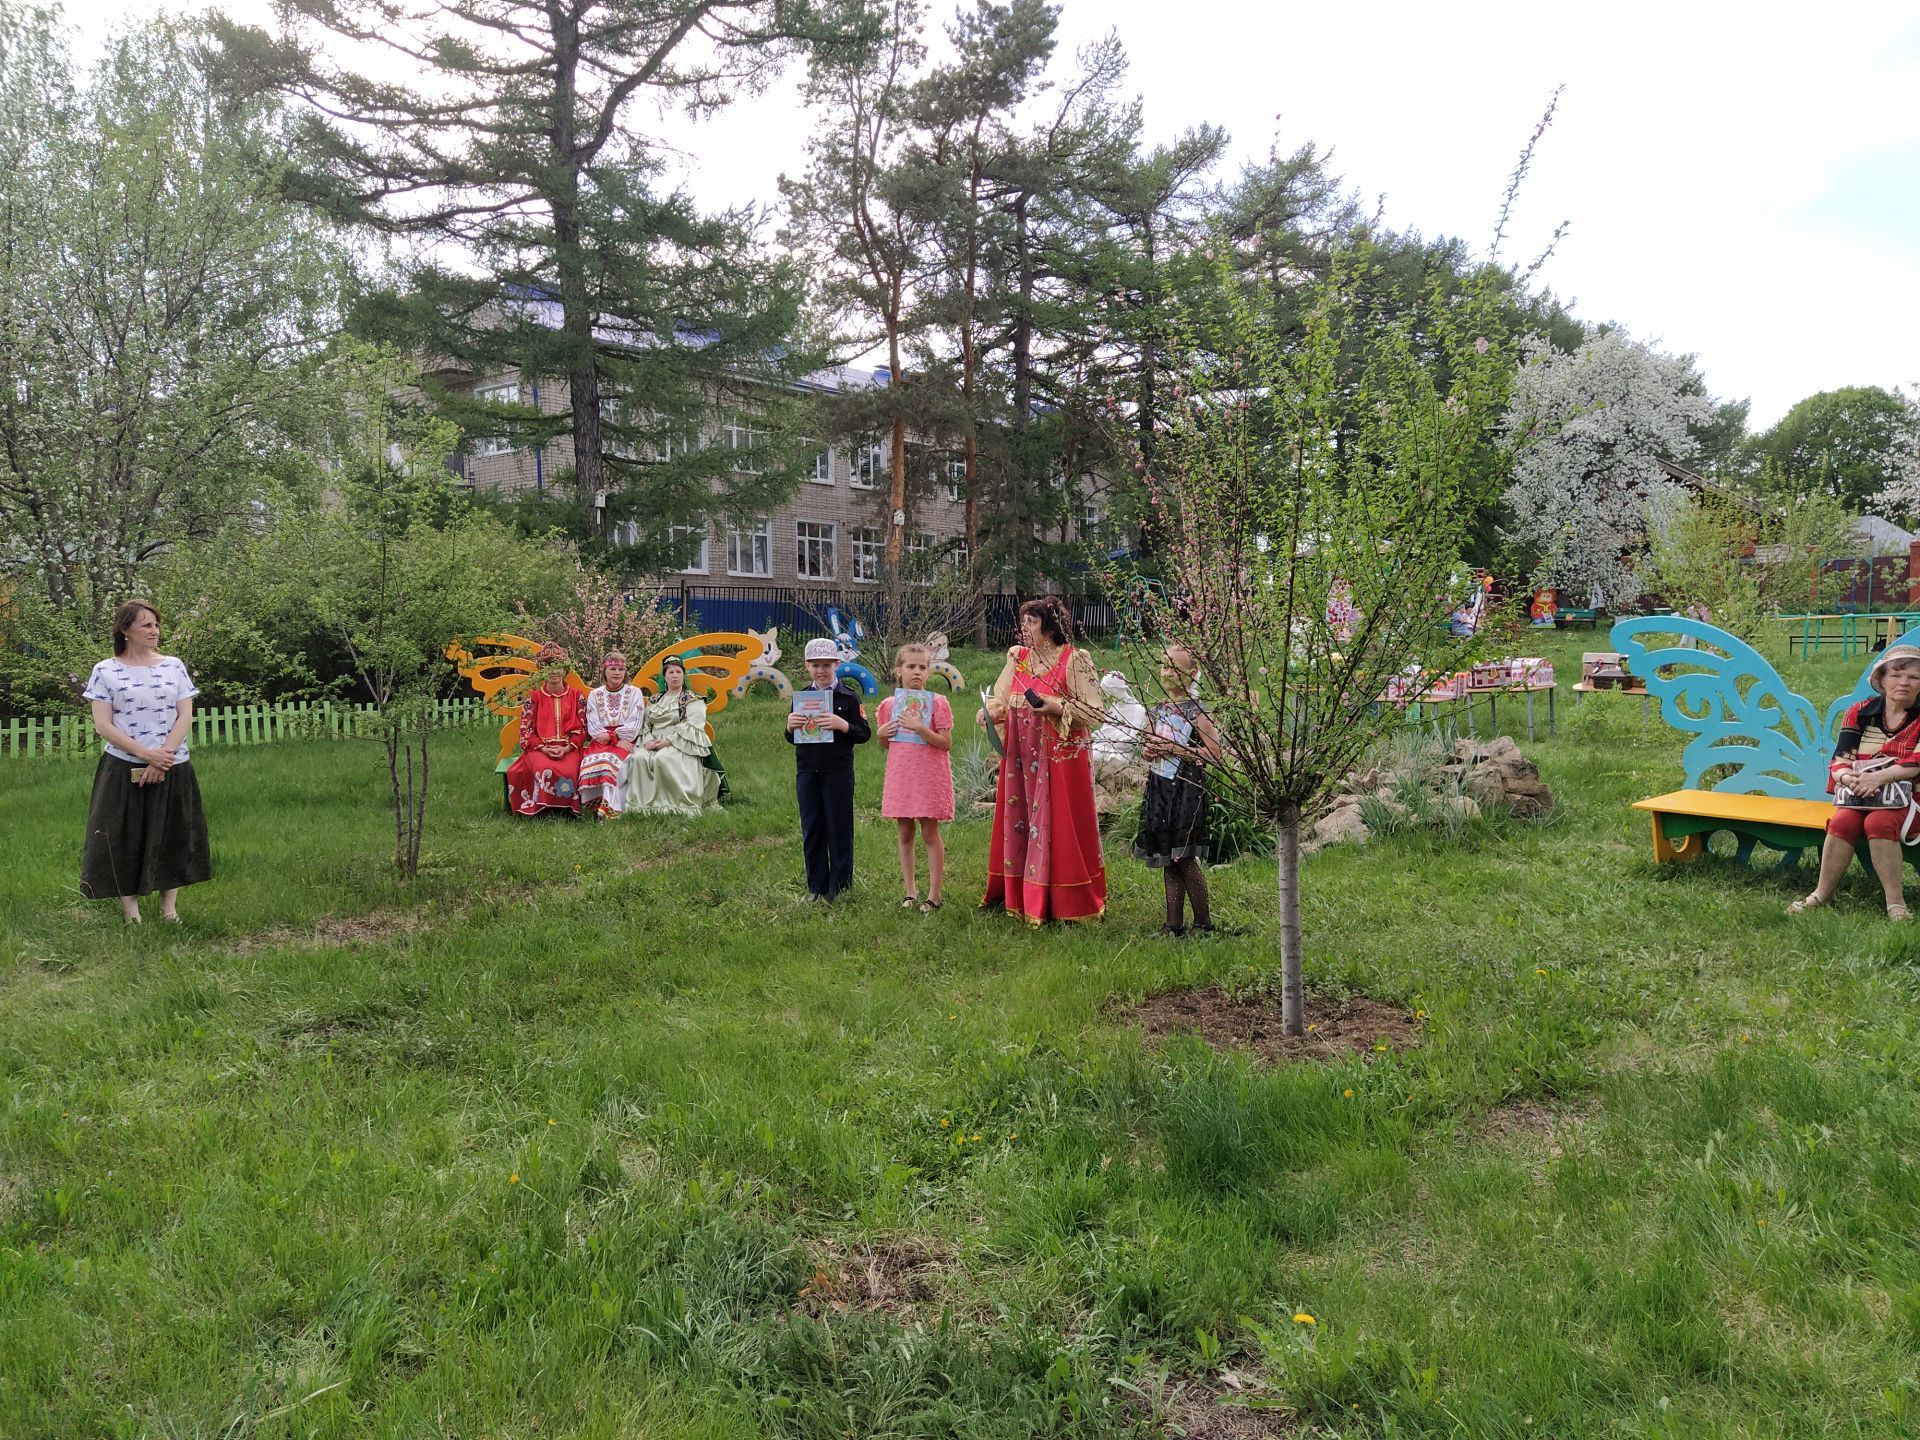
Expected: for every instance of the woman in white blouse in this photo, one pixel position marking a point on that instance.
(615, 713)
(145, 829)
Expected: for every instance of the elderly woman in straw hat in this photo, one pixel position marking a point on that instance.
(1879, 746)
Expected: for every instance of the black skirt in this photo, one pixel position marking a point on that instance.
(143, 838)
(1173, 818)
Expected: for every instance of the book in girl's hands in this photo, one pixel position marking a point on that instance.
(1176, 730)
(914, 705)
(815, 706)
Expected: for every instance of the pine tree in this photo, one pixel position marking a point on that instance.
(502, 135)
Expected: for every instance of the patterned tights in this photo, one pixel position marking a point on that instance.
(1187, 882)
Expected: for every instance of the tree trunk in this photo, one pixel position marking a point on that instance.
(392, 738)
(896, 447)
(1293, 1007)
(576, 300)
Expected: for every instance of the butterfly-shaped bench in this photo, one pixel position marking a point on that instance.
(1771, 743)
(719, 665)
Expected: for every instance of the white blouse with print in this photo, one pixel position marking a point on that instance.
(145, 700)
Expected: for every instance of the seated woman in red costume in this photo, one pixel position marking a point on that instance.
(615, 713)
(553, 732)
(1879, 746)
(1044, 860)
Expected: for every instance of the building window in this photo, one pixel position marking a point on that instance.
(815, 558)
(613, 419)
(870, 465)
(501, 392)
(822, 473)
(749, 440)
(956, 477)
(1092, 523)
(922, 556)
(866, 554)
(624, 532)
(750, 548)
(682, 538)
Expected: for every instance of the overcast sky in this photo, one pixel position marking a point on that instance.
(1741, 179)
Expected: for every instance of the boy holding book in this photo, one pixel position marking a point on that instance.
(826, 722)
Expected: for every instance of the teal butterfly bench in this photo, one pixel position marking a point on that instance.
(1741, 714)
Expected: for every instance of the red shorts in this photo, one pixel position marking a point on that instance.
(1849, 824)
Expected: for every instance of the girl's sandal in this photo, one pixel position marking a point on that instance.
(1899, 914)
(909, 902)
(1810, 902)
(927, 907)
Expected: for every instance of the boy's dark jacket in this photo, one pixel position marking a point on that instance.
(838, 755)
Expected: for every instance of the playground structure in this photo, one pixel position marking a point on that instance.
(849, 634)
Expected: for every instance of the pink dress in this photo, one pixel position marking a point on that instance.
(919, 782)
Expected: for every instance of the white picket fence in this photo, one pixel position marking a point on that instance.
(72, 736)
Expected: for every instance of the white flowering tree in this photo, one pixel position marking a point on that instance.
(1587, 431)
(1900, 500)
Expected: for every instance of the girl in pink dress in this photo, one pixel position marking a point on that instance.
(916, 726)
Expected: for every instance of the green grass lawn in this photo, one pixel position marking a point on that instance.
(601, 1131)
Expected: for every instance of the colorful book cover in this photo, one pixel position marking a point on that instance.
(916, 705)
(1179, 730)
(815, 706)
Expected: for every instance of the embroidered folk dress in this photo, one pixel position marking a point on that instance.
(617, 715)
(919, 780)
(675, 780)
(538, 781)
(1044, 861)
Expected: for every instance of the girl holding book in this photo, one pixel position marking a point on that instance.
(1181, 742)
(916, 726)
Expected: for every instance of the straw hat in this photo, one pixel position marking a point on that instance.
(1889, 656)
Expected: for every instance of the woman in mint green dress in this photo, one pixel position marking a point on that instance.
(670, 771)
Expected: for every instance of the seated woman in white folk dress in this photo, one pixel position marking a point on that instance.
(669, 771)
(615, 713)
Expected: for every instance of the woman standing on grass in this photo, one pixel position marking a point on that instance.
(1879, 746)
(145, 829)
(1043, 862)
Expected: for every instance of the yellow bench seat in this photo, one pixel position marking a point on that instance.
(1684, 819)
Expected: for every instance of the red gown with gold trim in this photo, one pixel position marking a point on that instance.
(538, 781)
(1044, 861)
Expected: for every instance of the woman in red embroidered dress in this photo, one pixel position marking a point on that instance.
(1044, 860)
(553, 731)
(1879, 745)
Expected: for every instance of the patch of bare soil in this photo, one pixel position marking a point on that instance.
(898, 1277)
(1529, 1123)
(1226, 1406)
(1355, 1025)
(345, 930)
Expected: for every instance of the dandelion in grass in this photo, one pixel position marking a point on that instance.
(514, 1179)
(976, 1139)
(553, 1122)
(1302, 1317)
(1539, 970)
(1379, 1047)
(1347, 1093)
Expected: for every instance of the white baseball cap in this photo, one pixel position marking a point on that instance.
(822, 650)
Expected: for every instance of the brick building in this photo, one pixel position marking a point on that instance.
(830, 534)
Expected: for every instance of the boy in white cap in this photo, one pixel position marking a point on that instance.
(823, 776)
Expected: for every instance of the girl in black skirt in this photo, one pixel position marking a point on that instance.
(1181, 742)
(145, 831)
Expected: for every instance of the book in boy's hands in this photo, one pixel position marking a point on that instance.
(1176, 730)
(815, 706)
(914, 705)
